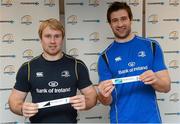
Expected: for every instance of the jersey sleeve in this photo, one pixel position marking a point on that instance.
(158, 61)
(83, 75)
(22, 83)
(103, 70)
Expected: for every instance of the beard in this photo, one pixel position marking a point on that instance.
(122, 35)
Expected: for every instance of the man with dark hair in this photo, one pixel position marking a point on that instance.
(131, 57)
(52, 78)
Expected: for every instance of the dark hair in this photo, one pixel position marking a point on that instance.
(115, 6)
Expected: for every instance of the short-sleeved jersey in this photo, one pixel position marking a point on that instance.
(132, 102)
(49, 80)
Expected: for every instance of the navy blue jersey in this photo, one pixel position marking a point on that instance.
(132, 102)
(49, 80)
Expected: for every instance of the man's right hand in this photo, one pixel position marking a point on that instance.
(105, 88)
(29, 109)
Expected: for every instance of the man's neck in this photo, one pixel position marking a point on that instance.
(52, 58)
(127, 39)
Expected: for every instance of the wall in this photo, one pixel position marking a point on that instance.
(19, 42)
(163, 25)
(88, 34)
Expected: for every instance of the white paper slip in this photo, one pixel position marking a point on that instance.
(125, 80)
(51, 103)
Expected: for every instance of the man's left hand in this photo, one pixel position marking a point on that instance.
(148, 77)
(78, 102)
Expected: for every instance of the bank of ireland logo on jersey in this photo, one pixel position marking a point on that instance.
(27, 20)
(73, 19)
(65, 73)
(53, 84)
(153, 19)
(131, 64)
(8, 38)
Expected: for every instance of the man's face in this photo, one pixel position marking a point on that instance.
(51, 41)
(120, 24)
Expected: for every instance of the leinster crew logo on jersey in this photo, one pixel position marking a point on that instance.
(141, 54)
(65, 74)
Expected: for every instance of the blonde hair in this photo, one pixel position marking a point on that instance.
(53, 24)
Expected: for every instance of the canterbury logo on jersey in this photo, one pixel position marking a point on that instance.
(117, 59)
(39, 74)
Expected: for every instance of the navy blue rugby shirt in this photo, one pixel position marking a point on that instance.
(49, 80)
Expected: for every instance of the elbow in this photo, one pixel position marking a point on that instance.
(167, 89)
(10, 106)
(106, 104)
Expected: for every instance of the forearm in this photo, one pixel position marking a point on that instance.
(16, 101)
(90, 97)
(160, 80)
(16, 107)
(91, 102)
(162, 85)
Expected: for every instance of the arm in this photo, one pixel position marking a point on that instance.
(85, 101)
(90, 96)
(18, 105)
(104, 90)
(160, 80)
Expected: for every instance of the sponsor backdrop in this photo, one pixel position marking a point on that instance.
(163, 25)
(19, 42)
(87, 34)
